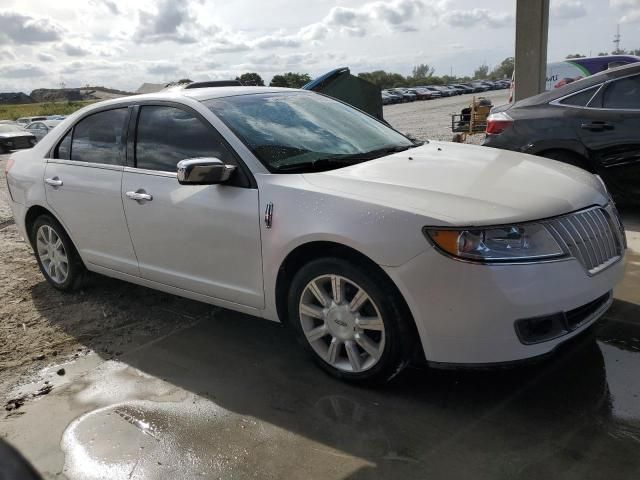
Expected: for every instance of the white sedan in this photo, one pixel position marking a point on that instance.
(294, 207)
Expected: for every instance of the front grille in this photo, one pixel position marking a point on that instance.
(594, 237)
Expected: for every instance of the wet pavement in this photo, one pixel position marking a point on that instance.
(233, 397)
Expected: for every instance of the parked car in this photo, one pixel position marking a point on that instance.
(14, 137)
(425, 93)
(475, 88)
(40, 129)
(435, 93)
(593, 123)
(407, 96)
(24, 121)
(361, 240)
(420, 93)
(445, 92)
(480, 87)
(56, 117)
(463, 88)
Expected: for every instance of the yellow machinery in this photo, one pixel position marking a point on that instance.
(471, 120)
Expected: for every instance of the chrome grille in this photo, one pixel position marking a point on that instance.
(594, 237)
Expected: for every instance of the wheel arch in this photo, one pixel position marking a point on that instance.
(36, 211)
(314, 250)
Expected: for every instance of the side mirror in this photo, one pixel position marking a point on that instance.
(203, 171)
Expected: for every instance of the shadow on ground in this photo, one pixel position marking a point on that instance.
(557, 418)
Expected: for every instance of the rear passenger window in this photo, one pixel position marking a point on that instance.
(167, 135)
(623, 94)
(100, 137)
(63, 150)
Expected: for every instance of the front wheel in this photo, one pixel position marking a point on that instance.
(350, 319)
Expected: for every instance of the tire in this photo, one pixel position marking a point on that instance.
(567, 157)
(45, 233)
(337, 334)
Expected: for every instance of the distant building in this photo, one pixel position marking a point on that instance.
(150, 87)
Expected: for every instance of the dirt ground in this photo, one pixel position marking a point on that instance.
(41, 325)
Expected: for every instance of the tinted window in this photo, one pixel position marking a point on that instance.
(167, 135)
(623, 94)
(580, 99)
(63, 150)
(100, 138)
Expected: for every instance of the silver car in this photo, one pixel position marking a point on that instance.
(291, 206)
(41, 128)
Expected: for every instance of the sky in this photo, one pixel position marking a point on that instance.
(123, 43)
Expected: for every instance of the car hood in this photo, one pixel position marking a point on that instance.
(466, 185)
(15, 134)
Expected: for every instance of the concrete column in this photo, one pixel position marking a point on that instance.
(532, 29)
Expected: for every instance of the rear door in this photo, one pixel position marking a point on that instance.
(82, 183)
(200, 238)
(610, 129)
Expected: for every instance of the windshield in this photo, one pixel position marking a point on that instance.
(11, 129)
(301, 131)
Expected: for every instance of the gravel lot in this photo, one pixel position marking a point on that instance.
(431, 119)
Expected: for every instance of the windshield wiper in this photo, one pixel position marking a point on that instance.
(318, 164)
(347, 159)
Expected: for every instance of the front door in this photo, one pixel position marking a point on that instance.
(82, 184)
(611, 132)
(200, 238)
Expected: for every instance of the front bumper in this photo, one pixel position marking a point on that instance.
(466, 313)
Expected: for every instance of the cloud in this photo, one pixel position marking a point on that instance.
(23, 29)
(74, 50)
(45, 57)
(108, 5)
(162, 68)
(223, 45)
(394, 15)
(275, 41)
(630, 10)
(477, 17)
(7, 55)
(567, 9)
(171, 22)
(23, 70)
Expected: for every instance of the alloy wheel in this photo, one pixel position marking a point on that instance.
(342, 323)
(52, 254)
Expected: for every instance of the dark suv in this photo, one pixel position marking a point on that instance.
(593, 123)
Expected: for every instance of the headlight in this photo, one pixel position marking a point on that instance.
(496, 244)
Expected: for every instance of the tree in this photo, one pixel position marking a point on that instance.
(574, 55)
(603, 54)
(481, 72)
(290, 80)
(504, 70)
(251, 79)
(422, 71)
(384, 79)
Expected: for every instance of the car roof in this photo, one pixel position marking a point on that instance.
(199, 94)
(582, 84)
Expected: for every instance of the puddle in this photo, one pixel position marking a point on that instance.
(142, 427)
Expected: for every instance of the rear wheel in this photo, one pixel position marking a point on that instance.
(56, 256)
(351, 320)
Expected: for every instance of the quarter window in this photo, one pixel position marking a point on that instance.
(63, 150)
(100, 138)
(623, 94)
(167, 135)
(580, 99)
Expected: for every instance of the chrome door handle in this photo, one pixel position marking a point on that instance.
(139, 195)
(54, 182)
